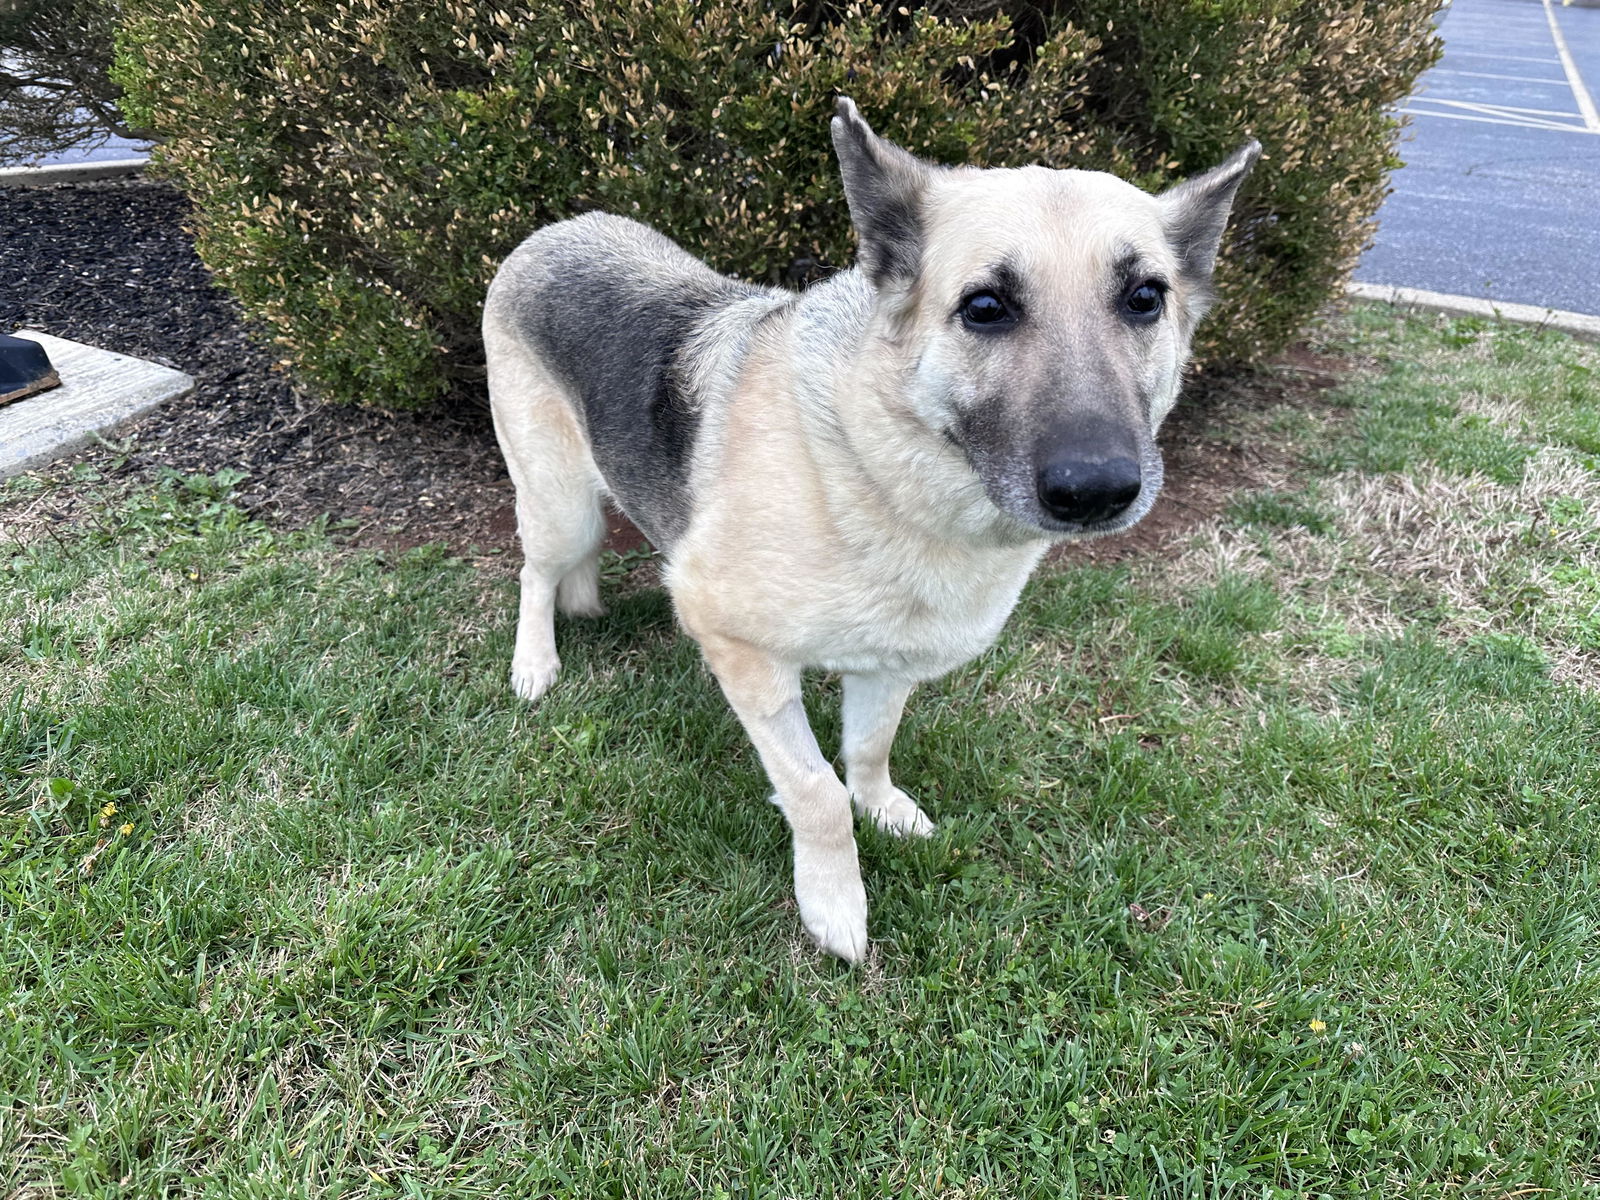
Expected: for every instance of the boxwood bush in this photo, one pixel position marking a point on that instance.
(358, 168)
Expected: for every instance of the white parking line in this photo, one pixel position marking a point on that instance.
(1499, 110)
(1500, 57)
(1491, 75)
(1524, 123)
(1591, 118)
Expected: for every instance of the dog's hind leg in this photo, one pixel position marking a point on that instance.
(827, 875)
(578, 593)
(872, 708)
(560, 498)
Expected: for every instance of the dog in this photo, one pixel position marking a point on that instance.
(859, 477)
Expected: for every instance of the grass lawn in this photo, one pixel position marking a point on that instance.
(1271, 868)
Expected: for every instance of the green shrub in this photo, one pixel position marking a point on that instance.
(360, 167)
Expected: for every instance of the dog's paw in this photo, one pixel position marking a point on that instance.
(832, 899)
(530, 680)
(838, 924)
(897, 813)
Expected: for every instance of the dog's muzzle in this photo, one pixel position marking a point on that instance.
(1088, 492)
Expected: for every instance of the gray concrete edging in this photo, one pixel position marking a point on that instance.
(111, 168)
(1578, 325)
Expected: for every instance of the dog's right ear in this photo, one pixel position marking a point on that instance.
(884, 186)
(1195, 212)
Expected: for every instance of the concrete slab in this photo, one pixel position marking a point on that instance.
(99, 391)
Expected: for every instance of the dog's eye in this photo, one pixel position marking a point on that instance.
(1145, 301)
(985, 308)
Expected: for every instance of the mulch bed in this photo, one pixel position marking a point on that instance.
(110, 264)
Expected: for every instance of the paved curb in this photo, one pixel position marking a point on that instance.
(111, 168)
(1578, 325)
(99, 391)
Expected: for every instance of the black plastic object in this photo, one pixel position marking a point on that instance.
(24, 368)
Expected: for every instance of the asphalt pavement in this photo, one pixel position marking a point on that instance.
(95, 149)
(1500, 195)
(111, 149)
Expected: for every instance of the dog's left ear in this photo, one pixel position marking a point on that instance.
(1195, 212)
(883, 185)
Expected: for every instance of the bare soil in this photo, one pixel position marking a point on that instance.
(110, 264)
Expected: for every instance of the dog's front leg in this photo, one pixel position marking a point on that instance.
(827, 877)
(872, 708)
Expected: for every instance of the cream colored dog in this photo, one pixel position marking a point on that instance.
(859, 477)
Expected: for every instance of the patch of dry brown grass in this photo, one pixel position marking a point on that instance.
(1476, 554)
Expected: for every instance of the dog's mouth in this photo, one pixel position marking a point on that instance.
(1089, 529)
(1055, 527)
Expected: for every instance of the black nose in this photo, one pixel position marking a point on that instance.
(1088, 491)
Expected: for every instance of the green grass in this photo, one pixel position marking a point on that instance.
(1266, 870)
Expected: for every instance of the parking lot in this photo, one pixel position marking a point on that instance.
(1500, 197)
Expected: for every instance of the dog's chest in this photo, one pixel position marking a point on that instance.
(919, 620)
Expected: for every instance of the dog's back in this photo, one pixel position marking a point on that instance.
(608, 305)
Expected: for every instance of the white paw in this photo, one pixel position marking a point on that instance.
(896, 813)
(833, 902)
(530, 680)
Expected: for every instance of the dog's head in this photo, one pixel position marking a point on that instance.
(1040, 319)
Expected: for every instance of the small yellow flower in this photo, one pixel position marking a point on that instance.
(126, 829)
(1318, 1025)
(109, 811)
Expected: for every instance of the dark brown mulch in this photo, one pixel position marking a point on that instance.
(110, 264)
